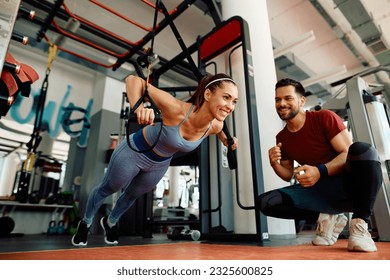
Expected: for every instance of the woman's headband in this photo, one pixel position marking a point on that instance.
(220, 79)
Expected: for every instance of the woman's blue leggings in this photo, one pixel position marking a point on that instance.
(129, 171)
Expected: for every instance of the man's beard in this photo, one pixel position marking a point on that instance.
(289, 116)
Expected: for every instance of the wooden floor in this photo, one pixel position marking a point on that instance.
(44, 247)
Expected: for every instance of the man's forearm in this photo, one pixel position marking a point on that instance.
(337, 164)
(283, 172)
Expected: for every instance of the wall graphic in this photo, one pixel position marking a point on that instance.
(74, 120)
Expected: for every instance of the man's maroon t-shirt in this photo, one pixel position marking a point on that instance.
(311, 144)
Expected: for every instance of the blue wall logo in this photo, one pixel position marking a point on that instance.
(65, 118)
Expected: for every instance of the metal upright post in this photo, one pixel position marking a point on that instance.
(369, 124)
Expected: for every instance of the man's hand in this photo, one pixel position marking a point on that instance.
(275, 154)
(307, 175)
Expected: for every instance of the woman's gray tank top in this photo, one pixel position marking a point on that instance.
(170, 140)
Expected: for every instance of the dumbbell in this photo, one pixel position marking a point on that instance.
(180, 233)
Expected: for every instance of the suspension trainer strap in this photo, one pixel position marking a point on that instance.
(35, 137)
(145, 96)
(154, 24)
(32, 146)
(231, 154)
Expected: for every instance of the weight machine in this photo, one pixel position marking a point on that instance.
(369, 121)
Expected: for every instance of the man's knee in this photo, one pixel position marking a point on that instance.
(362, 151)
(268, 200)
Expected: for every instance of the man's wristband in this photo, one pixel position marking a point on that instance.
(323, 170)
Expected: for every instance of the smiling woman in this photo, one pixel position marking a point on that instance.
(185, 126)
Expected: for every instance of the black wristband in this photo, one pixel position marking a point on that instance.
(323, 170)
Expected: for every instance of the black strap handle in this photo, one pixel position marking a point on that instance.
(231, 154)
(145, 98)
(133, 118)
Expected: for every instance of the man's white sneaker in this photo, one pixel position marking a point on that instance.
(359, 238)
(329, 228)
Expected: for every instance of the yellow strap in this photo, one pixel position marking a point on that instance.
(52, 54)
(29, 162)
(26, 162)
(148, 74)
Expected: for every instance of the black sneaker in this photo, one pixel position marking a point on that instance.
(111, 233)
(81, 237)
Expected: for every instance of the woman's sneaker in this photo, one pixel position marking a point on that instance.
(81, 237)
(111, 233)
(359, 238)
(329, 228)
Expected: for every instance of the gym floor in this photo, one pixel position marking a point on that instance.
(42, 242)
(49, 247)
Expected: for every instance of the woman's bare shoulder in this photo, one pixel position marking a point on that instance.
(216, 126)
(176, 112)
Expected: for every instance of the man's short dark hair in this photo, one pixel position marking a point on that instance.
(290, 82)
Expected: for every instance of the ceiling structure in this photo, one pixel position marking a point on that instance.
(321, 43)
(350, 37)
